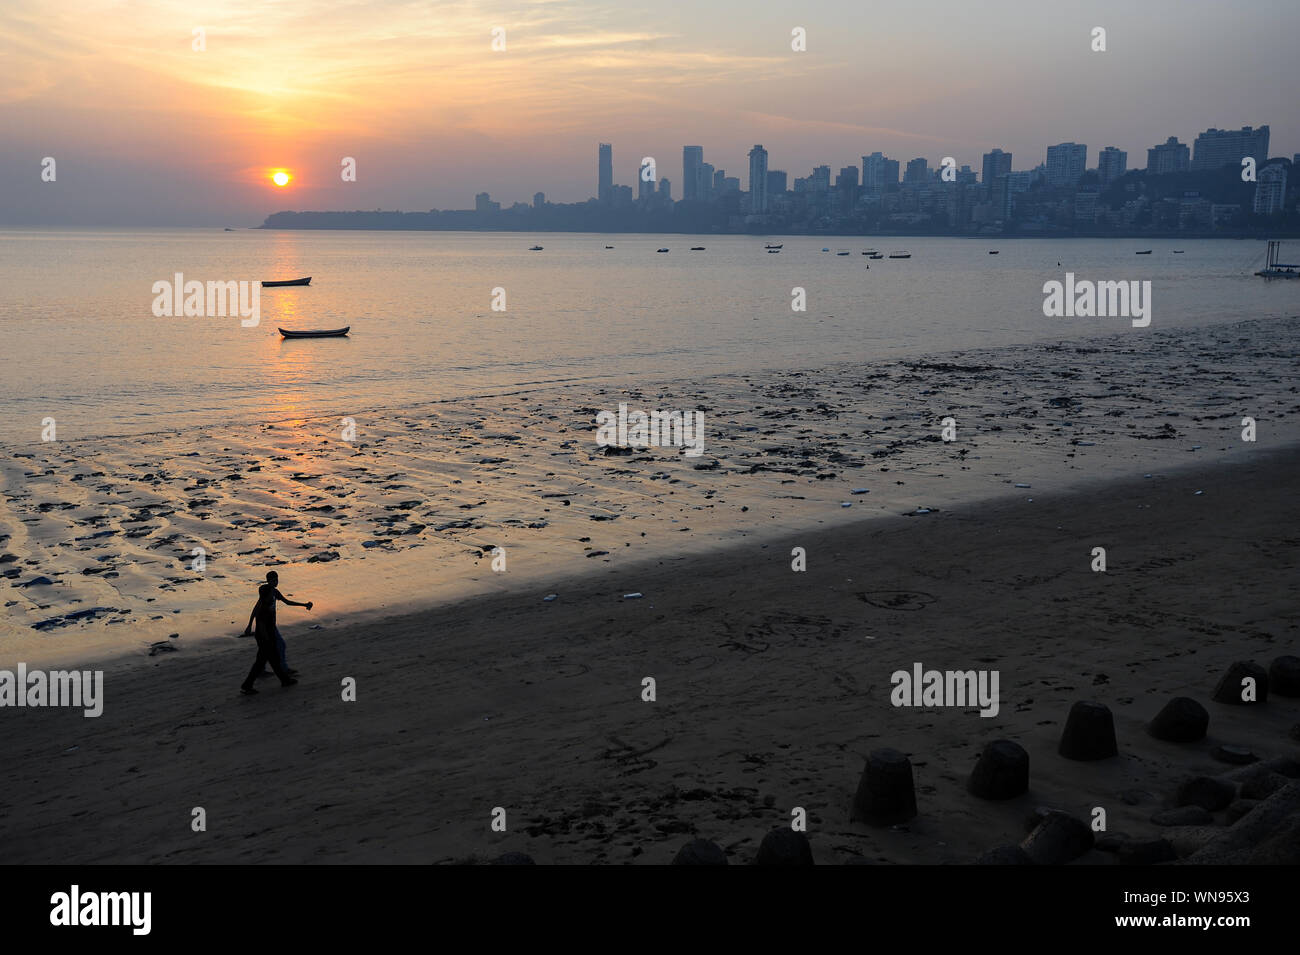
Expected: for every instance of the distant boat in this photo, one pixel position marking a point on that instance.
(993, 251)
(306, 281)
(773, 251)
(316, 332)
(841, 253)
(535, 248)
(1143, 252)
(661, 250)
(1273, 269)
(825, 250)
(228, 229)
(771, 246)
(877, 255)
(697, 248)
(1178, 251)
(609, 247)
(900, 255)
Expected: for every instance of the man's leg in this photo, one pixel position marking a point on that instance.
(272, 656)
(282, 649)
(258, 664)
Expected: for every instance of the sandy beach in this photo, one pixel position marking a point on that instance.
(771, 685)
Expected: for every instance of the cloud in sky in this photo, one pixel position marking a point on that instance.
(147, 130)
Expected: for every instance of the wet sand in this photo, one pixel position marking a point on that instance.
(99, 538)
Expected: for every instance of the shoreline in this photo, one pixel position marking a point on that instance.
(417, 504)
(772, 686)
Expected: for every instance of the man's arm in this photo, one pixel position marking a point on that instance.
(251, 617)
(292, 603)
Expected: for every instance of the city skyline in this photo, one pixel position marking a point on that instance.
(148, 130)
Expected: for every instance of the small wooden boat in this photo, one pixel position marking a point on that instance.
(841, 253)
(306, 281)
(993, 251)
(697, 248)
(1143, 252)
(661, 250)
(900, 255)
(535, 248)
(316, 332)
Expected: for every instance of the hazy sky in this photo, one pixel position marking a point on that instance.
(147, 131)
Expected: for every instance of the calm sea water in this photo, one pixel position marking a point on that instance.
(81, 343)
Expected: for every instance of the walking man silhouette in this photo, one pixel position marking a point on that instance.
(267, 634)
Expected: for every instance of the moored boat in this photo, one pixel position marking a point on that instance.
(535, 248)
(306, 281)
(900, 255)
(316, 332)
(1143, 252)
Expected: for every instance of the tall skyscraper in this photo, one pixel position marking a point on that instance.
(704, 188)
(776, 180)
(1169, 156)
(918, 171)
(1228, 147)
(846, 184)
(1270, 189)
(758, 180)
(1066, 163)
(645, 188)
(665, 189)
(1111, 164)
(873, 173)
(719, 180)
(889, 174)
(996, 163)
(692, 160)
(605, 187)
(539, 199)
(821, 179)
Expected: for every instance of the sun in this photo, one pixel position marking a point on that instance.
(280, 177)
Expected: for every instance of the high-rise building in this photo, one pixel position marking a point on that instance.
(1066, 163)
(996, 163)
(1111, 163)
(719, 177)
(605, 187)
(821, 179)
(692, 160)
(1169, 156)
(666, 189)
(758, 180)
(1270, 189)
(776, 180)
(645, 188)
(704, 188)
(873, 173)
(846, 184)
(889, 177)
(539, 199)
(918, 171)
(731, 184)
(1228, 147)
(483, 203)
